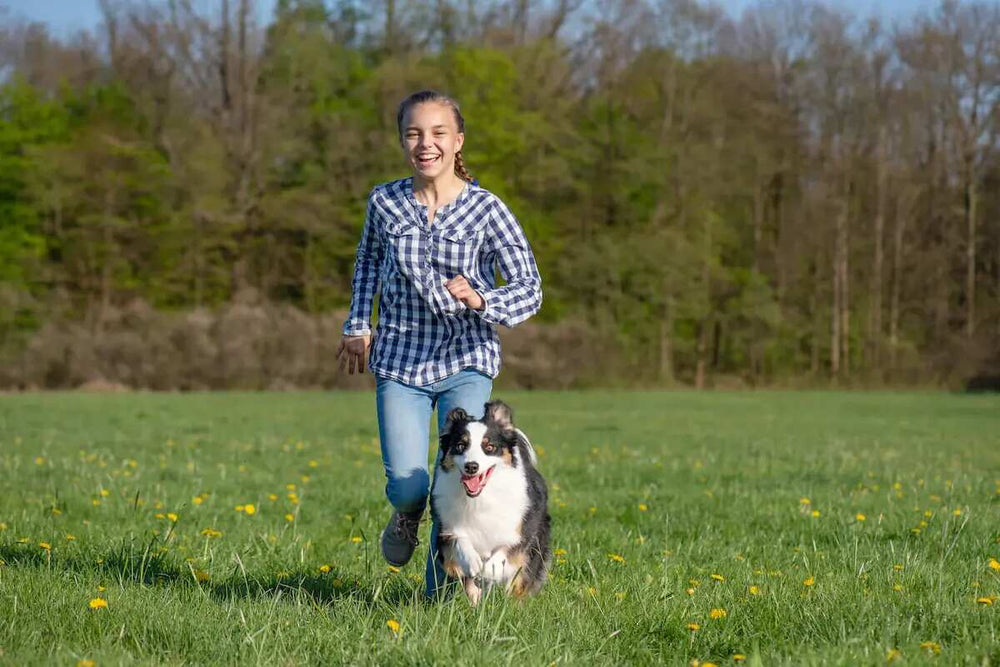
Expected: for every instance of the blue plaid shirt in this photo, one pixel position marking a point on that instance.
(424, 334)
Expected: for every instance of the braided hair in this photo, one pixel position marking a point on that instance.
(434, 96)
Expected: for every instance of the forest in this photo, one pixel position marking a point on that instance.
(791, 197)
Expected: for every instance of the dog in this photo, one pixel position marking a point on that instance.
(491, 505)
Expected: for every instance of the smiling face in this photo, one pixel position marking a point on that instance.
(430, 138)
(476, 449)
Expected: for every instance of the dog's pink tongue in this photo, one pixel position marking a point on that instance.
(475, 483)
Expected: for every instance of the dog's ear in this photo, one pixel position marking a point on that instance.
(456, 416)
(500, 414)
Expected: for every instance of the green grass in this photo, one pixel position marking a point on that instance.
(681, 486)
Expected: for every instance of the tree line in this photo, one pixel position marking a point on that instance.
(791, 195)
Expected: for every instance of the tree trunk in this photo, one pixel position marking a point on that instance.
(970, 251)
(666, 342)
(875, 290)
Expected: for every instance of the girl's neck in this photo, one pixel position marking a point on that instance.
(433, 192)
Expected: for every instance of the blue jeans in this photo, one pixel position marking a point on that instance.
(404, 414)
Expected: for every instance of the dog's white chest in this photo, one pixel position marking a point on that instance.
(489, 522)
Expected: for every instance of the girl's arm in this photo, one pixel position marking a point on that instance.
(508, 248)
(365, 283)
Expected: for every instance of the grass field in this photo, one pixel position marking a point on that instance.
(812, 528)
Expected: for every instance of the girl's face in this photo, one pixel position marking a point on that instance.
(431, 139)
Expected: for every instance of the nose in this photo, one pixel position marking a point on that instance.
(471, 468)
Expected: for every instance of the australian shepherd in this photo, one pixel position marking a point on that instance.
(491, 504)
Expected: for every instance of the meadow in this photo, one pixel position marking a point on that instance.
(689, 528)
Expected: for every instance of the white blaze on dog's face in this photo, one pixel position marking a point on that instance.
(475, 450)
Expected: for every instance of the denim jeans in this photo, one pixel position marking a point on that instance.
(404, 414)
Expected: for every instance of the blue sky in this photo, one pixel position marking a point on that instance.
(65, 16)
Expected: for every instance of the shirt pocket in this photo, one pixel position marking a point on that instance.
(406, 248)
(458, 246)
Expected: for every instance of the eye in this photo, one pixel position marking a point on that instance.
(489, 447)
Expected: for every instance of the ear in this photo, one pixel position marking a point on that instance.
(456, 415)
(500, 414)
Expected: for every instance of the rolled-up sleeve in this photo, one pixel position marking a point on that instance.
(521, 297)
(365, 283)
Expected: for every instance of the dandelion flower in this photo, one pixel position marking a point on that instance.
(693, 627)
(356, 539)
(172, 516)
(643, 507)
(95, 502)
(987, 601)
(898, 588)
(809, 581)
(70, 538)
(616, 558)
(804, 501)
(45, 545)
(85, 663)
(211, 532)
(100, 589)
(620, 596)
(559, 552)
(754, 590)
(739, 657)
(240, 508)
(290, 487)
(393, 625)
(197, 500)
(718, 577)
(39, 460)
(105, 493)
(98, 603)
(931, 647)
(324, 568)
(250, 509)
(591, 590)
(689, 591)
(392, 568)
(815, 513)
(860, 517)
(718, 613)
(893, 654)
(995, 565)
(897, 567)
(958, 511)
(289, 517)
(272, 496)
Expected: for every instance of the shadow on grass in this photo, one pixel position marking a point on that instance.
(149, 564)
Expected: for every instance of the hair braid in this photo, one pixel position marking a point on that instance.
(460, 169)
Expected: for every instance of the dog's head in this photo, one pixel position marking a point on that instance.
(475, 448)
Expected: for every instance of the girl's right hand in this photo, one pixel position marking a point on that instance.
(353, 353)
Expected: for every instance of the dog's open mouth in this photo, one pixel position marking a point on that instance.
(474, 484)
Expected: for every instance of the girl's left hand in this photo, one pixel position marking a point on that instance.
(462, 290)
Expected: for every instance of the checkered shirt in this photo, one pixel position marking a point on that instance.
(424, 334)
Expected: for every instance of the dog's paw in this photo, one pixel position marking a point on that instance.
(494, 568)
(470, 562)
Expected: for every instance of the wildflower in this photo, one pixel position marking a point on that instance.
(172, 516)
(931, 647)
(987, 601)
(804, 501)
(289, 517)
(39, 460)
(305, 478)
(860, 517)
(809, 581)
(56, 511)
(693, 627)
(272, 496)
(958, 511)
(211, 532)
(105, 493)
(95, 502)
(356, 539)
(394, 626)
(85, 663)
(898, 588)
(45, 545)
(313, 463)
(815, 513)
(893, 654)
(197, 500)
(98, 603)
(392, 568)
(3, 526)
(324, 568)
(290, 487)
(739, 657)
(897, 567)
(592, 591)
(693, 582)
(689, 591)
(928, 513)
(593, 510)
(620, 596)
(100, 589)
(718, 613)
(754, 590)
(616, 558)
(240, 508)
(559, 552)
(250, 509)
(995, 565)
(643, 507)
(718, 577)
(70, 538)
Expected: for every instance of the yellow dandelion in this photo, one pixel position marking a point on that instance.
(172, 516)
(739, 657)
(39, 460)
(931, 647)
(897, 567)
(290, 487)
(694, 582)
(250, 509)
(105, 493)
(995, 565)
(289, 517)
(197, 500)
(928, 513)
(272, 496)
(689, 591)
(591, 591)
(70, 538)
(616, 558)
(392, 568)
(718, 577)
(693, 627)
(860, 517)
(559, 552)
(3, 526)
(98, 603)
(56, 511)
(893, 654)
(754, 590)
(716, 614)
(85, 663)
(958, 511)
(898, 588)
(240, 508)
(809, 581)
(643, 507)
(987, 601)
(100, 589)
(593, 509)
(324, 568)
(620, 596)
(394, 626)
(211, 532)
(356, 539)
(95, 502)
(815, 513)
(804, 501)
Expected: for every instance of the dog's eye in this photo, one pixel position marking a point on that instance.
(489, 447)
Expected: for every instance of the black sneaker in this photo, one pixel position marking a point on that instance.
(399, 538)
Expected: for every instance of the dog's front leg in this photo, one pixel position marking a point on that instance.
(472, 590)
(470, 562)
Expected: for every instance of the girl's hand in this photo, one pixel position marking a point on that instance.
(462, 290)
(353, 353)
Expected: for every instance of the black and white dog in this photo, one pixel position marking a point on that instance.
(491, 504)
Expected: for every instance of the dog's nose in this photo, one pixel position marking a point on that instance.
(471, 468)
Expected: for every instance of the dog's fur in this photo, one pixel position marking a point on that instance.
(491, 504)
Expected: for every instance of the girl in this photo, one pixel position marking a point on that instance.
(429, 246)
